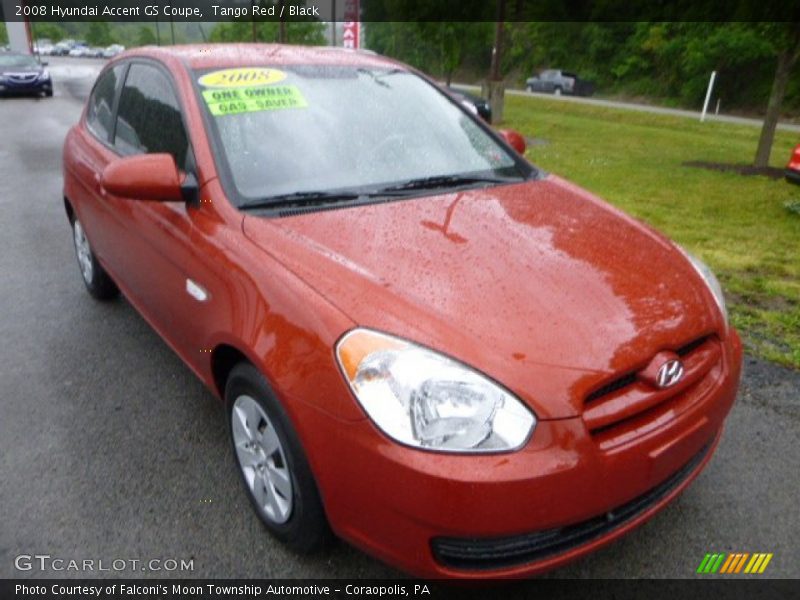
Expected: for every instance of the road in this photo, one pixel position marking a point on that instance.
(659, 110)
(111, 449)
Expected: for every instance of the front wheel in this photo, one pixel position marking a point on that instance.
(272, 464)
(97, 281)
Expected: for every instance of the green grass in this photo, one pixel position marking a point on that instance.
(742, 226)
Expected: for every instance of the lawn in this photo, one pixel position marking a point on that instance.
(738, 224)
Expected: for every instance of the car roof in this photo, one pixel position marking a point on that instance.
(209, 56)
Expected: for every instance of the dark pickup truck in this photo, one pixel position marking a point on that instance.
(555, 81)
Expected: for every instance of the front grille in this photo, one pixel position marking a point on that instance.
(691, 346)
(628, 406)
(610, 388)
(630, 378)
(496, 553)
(21, 78)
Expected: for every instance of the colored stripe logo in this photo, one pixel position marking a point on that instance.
(734, 563)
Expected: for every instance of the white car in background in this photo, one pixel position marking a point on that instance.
(79, 51)
(113, 50)
(43, 49)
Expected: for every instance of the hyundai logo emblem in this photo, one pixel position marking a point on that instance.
(669, 373)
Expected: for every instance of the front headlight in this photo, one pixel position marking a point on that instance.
(711, 281)
(423, 399)
(44, 75)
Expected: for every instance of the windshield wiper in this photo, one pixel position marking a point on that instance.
(443, 181)
(301, 199)
(321, 197)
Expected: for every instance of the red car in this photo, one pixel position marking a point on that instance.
(426, 345)
(792, 171)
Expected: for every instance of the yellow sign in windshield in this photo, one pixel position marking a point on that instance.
(243, 77)
(253, 99)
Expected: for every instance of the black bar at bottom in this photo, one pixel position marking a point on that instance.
(719, 588)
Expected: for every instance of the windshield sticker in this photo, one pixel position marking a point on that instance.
(239, 78)
(253, 99)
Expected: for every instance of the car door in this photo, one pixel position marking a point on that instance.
(153, 238)
(89, 155)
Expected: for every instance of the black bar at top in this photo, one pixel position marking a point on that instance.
(408, 10)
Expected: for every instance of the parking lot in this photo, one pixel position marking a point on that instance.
(111, 449)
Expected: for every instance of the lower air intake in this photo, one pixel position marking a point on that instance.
(496, 553)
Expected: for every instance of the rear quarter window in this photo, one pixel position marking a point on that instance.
(99, 114)
(149, 116)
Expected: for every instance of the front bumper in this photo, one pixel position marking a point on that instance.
(792, 175)
(34, 87)
(486, 516)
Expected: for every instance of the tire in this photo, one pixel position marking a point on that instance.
(49, 93)
(272, 465)
(97, 281)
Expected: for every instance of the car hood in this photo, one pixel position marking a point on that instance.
(539, 285)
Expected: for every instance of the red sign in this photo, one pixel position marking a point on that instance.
(351, 30)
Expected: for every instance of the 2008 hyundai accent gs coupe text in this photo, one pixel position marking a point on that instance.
(457, 362)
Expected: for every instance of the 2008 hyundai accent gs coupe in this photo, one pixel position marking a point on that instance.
(459, 363)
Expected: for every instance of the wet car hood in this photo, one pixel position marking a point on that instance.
(539, 285)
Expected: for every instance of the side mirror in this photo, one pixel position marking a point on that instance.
(514, 139)
(45, 63)
(144, 177)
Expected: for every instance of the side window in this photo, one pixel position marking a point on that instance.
(98, 114)
(149, 116)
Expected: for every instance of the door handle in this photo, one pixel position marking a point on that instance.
(99, 185)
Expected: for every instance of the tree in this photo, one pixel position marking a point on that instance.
(49, 31)
(145, 36)
(99, 34)
(310, 33)
(787, 41)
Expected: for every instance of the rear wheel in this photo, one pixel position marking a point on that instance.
(97, 281)
(272, 464)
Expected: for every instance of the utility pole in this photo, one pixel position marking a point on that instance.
(495, 88)
(281, 25)
(253, 20)
(333, 23)
(497, 49)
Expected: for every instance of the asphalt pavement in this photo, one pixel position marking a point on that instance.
(111, 449)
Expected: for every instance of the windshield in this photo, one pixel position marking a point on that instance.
(325, 128)
(18, 60)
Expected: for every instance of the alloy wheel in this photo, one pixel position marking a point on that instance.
(262, 460)
(83, 251)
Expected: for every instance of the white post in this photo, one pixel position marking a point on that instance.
(716, 111)
(18, 32)
(708, 95)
